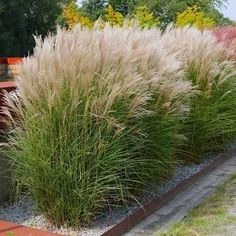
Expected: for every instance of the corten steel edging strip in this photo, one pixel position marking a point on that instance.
(157, 203)
(8, 228)
(8, 85)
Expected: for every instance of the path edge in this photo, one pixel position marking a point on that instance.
(148, 209)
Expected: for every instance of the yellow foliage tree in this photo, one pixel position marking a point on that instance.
(114, 18)
(72, 17)
(146, 18)
(193, 16)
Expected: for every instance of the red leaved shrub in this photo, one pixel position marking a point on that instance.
(227, 35)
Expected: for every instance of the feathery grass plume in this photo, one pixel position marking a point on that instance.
(75, 137)
(212, 120)
(169, 101)
(97, 112)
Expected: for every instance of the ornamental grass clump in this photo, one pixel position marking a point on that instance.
(169, 101)
(211, 123)
(93, 120)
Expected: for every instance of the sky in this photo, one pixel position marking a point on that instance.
(228, 11)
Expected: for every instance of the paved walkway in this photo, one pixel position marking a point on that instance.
(176, 209)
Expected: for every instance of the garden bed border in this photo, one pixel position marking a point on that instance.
(158, 202)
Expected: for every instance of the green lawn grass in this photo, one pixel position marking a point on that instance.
(211, 217)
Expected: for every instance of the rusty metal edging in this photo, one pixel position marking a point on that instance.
(158, 202)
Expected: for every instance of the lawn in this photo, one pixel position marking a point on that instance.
(215, 216)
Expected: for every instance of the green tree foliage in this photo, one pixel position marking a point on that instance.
(146, 18)
(71, 16)
(167, 10)
(126, 7)
(93, 9)
(21, 19)
(193, 16)
(219, 18)
(114, 18)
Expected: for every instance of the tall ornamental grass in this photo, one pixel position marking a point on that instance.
(97, 113)
(211, 123)
(169, 101)
(100, 112)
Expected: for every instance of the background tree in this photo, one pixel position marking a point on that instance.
(168, 10)
(21, 19)
(219, 18)
(193, 16)
(93, 9)
(71, 16)
(114, 18)
(146, 18)
(165, 11)
(125, 7)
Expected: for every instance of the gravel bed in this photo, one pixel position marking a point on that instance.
(24, 212)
